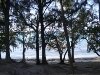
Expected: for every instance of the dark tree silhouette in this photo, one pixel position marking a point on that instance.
(40, 5)
(66, 34)
(6, 8)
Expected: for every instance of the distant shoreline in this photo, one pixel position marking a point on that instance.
(89, 59)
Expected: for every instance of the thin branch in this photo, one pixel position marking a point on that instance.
(47, 25)
(23, 18)
(47, 5)
(92, 46)
(83, 3)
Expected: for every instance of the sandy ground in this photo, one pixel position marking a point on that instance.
(84, 66)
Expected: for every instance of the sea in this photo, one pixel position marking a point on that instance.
(80, 52)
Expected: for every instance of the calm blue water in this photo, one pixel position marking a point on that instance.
(80, 52)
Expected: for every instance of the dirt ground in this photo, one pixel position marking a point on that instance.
(80, 68)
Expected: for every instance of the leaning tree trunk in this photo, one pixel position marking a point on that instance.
(42, 32)
(65, 55)
(37, 45)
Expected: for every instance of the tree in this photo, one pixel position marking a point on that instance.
(90, 32)
(1, 34)
(61, 45)
(93, 38)
(6, 7)
(40, 11)
(66, 33)
(37, 42)
(27, 20)
(23, 43)
(41, 7)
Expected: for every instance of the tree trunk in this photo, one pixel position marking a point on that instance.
(42, 32)
(68, 47)
(60, 56)
(37, 45)
(6, 13)
(73, 52)
(72, 44)
(65, 55)
(23, 59)
(24, 49)
(66, 34)
(61, 60)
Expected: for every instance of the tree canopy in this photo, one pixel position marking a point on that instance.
(57, 24)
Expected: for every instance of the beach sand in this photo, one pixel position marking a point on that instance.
(82, 66)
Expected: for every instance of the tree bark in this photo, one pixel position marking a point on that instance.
(23, 60)
(24, 49)
(37, 45)
(6, 13)
(72, 42)
(42, 31)
(72, 52)
(65, 55)
(61, 60)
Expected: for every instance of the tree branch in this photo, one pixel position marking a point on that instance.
(83, 3)
(23, 18)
